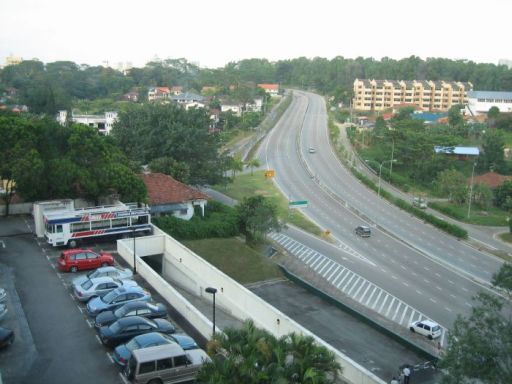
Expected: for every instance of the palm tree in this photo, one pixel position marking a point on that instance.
(254, 356)
(253, 163)
(236, 165)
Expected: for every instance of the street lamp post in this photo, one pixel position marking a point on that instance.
(213, 291)
(134, 254)
(471, 189)
(392, 152)
(380, 172)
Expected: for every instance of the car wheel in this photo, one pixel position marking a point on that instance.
(155, 381)
(73, 269)
(104, 265)
(412, 329)
(73, 244)
(429, 337)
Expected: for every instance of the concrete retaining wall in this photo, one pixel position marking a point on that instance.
(183, 267)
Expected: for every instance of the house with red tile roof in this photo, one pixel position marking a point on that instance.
(491, 179)
(159, 93)
(169, 196)
(272, 89)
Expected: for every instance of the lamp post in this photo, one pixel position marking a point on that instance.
(380, 172)
(392, 152)
(213, 291)
(471, 189)
(134, 254)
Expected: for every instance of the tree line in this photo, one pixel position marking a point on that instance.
(47, 88)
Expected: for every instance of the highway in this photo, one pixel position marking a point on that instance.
(414, 263)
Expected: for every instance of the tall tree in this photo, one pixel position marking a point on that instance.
(256, 217)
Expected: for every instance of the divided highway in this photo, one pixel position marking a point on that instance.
(414, 262)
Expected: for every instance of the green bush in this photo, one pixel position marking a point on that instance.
(219, 221)
(447, 210)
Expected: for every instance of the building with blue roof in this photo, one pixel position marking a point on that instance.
(479, 102)
(462, 153)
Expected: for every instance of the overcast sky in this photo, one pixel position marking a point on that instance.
(212, 33)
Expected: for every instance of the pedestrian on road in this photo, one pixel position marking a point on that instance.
(407, 374)
(394, 380)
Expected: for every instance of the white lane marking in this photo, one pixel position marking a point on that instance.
(377, 299)
(452, 295)
(389, 306)
(467, 304)
(110, 357)
(404, 283)
(439, 288)
(80, 309)
(448, 309)
(432, 300)
(464, 289)
(98, 338)
(418, 292)
(123, 378)
(451, 282)
(355, 285)
(371, 295)
(394, 277)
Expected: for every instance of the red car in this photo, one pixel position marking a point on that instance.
(73, 260)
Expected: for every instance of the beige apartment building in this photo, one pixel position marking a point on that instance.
(378, 95)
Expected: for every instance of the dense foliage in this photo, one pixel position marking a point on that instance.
(54, 86)
(257, 216)
(150, 132)
(49, 161)
(480, 345)
(254, 356)
(219, 221)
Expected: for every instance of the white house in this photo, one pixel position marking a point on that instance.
(255, 106)
(236, 108)
(479, 102)
(103, 123)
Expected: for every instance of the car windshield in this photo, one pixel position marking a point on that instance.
(115, 327)
(93, 274)
(109, 297)
(120, 312)
(87, 284)
(133, 344)
(436, 328)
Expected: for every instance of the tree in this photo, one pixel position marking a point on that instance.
(493, 155)
(452, 183)
(480, 345)
(254, 356)
(177, 169)
(454, 117)
(482, 195)
(503, 278)
(492, 114)
(253, 163)
(236, 165)
(256, 217)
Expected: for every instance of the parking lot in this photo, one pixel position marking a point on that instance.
(55, 338)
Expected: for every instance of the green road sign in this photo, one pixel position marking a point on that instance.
(298, 204)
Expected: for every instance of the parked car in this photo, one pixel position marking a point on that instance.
(74, 260)
(6, 337)
(3, 294)
(123, 352)
(167, 363)
(3, 311)
(363, 231)
(135, 308)
(126, 328)
(115, 273)
(311, 150)
(116, 298)
(185, 341)
(419, 202)
(426, 328)
(99, 286)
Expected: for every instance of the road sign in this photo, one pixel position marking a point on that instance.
(269, 173)
(298, 204)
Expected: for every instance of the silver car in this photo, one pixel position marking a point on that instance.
(115, 273)
(99, 286)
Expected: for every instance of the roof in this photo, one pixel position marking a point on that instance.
(470, 151)
(491, 179)
(269, 86)
(163, 189)
(490, 95)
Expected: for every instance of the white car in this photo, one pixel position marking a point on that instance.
(426, 328)
(99, 286)
(311, 150)
(113, 272)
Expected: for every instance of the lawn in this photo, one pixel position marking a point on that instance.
(239, 261)
(246, 185)
(491, 216)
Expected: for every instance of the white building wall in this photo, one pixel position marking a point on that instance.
(482, 107)
(183, 267)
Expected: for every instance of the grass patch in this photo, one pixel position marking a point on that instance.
(239, 261)
(247, 185)
(492, 216)
(506, 237)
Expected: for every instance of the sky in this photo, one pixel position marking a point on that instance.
(212, 33)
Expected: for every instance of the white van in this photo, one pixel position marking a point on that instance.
(166, 364)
